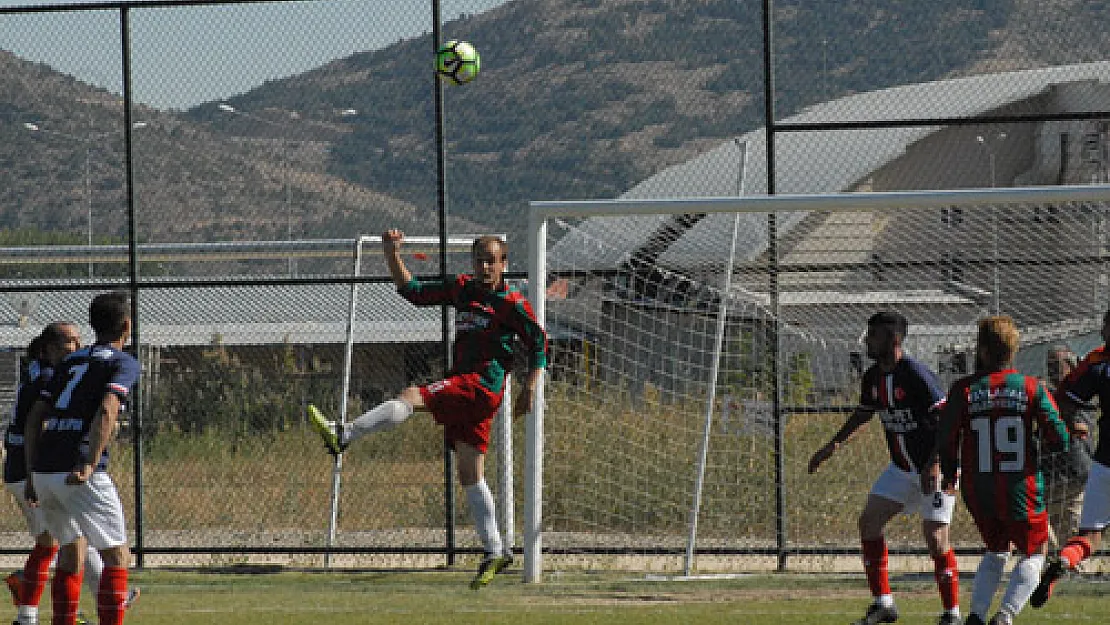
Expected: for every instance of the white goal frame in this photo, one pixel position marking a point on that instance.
(541, 211)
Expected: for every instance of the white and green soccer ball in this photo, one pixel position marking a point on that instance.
(457, 62)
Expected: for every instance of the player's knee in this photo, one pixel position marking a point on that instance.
(116, 556)
(411, 396)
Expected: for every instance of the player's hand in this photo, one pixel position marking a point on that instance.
(391, 240)
(29, 492)
(1080, 430)
(523, 403)
(931, 479)
(80, 475)
(820, 456)
(948, 485)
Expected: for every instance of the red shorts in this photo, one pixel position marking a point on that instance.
(1026, 536)
(464, 407)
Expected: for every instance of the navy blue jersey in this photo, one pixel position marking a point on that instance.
(15, 462)
(75, 395)
(1085, 382)
(908, 401)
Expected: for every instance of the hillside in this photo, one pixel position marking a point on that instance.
(583, 99)
(577, 99)
(192, 182)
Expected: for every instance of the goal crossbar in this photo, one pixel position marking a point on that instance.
(877, 202)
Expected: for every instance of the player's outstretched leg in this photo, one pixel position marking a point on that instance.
(489, 567)
(328, 430)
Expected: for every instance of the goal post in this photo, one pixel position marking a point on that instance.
(631, 292)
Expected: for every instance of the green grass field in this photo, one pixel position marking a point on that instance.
(433, 597)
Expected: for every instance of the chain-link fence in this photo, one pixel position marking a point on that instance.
(220, 160)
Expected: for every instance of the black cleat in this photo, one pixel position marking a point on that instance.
(878, 614)
(1053, 571)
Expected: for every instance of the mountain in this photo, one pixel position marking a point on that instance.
(63, 159)
(582, 99)
(577, 99)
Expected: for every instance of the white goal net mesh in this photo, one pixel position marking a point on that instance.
(663, 357)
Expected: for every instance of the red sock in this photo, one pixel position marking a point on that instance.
(947, 573)
(1075, 551)
(36, 572)
(66, 594)
(874, 564)
(112, 594)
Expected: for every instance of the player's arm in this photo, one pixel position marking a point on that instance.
(1069, 406)
(524, 398)
(391, 247)
(1053, 428)
(100, 434)
(948, 438)
(31, 431)
(858, 418)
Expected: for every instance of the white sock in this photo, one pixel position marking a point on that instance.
(887, 601)
(987, 578)
(480, 502)
(383, 417)
(27, 614)
(94, 566)
(1023, 580)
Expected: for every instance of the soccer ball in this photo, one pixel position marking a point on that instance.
(457, 62)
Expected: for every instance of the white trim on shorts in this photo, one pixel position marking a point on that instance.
(1096, 499)
(92, 509)
(904, 487)
(36, 524)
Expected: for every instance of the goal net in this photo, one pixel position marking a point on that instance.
(703, 349)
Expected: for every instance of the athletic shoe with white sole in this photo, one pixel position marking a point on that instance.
(328, 430)
(488, 568)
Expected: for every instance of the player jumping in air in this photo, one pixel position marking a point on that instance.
(1090, 379)
(992, 429)
(907, 397)
(66, 440)
(489, 315)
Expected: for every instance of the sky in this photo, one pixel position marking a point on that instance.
(182, 56)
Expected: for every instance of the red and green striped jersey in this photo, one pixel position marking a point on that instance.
(991, 427)
(486, 323)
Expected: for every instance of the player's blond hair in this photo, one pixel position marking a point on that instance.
(998, 342)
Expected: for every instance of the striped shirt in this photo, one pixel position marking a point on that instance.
(486, 324)
(991, 428)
